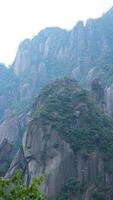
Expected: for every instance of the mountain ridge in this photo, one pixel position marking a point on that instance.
(84, 53)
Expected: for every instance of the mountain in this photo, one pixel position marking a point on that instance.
(70, 140)
(82, 49)
(83, 53)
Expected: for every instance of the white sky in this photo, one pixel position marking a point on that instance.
(20, 19)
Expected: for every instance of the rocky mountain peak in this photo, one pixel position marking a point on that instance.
(109, 13)
(68, 133)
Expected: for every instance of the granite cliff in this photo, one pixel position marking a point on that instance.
(83, 53)
(69, 139)
(68, 136)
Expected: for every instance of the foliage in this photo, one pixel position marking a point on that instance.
(90, 129)
(14, 189)
(99, 196)
(70, 188)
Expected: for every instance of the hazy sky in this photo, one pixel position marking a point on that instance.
(20, 19)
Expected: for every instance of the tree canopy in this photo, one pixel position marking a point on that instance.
(14, 189)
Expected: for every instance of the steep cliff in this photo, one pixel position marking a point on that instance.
(83, 53)
(9, 128)
(5, 156)
(68, 137)
(9, 140)
(70, 140)
(9, 89)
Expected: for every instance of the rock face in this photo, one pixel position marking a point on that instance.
(22, 60)
(68, 137)
(109, 99)
(9, 89)
(9, 137)
(5, 156)
(70, 140)
(84, 53)
(9, 128)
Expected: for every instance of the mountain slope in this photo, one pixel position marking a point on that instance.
(9, 87)
(9, 124)
(83, 48)
(84, 53)
(70, 140)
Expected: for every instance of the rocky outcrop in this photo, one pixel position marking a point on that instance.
(5, 156)
(68, 141)
(51, 41)
(9, 139)
(22, 60)
(55, 142)
(56, 159)
(49, 159)
(83, 53)
(9, 129)
(104, 96)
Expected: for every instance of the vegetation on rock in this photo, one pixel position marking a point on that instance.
(77, 118)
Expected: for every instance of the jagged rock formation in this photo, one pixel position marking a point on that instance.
(84, 53)
(69, 139)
